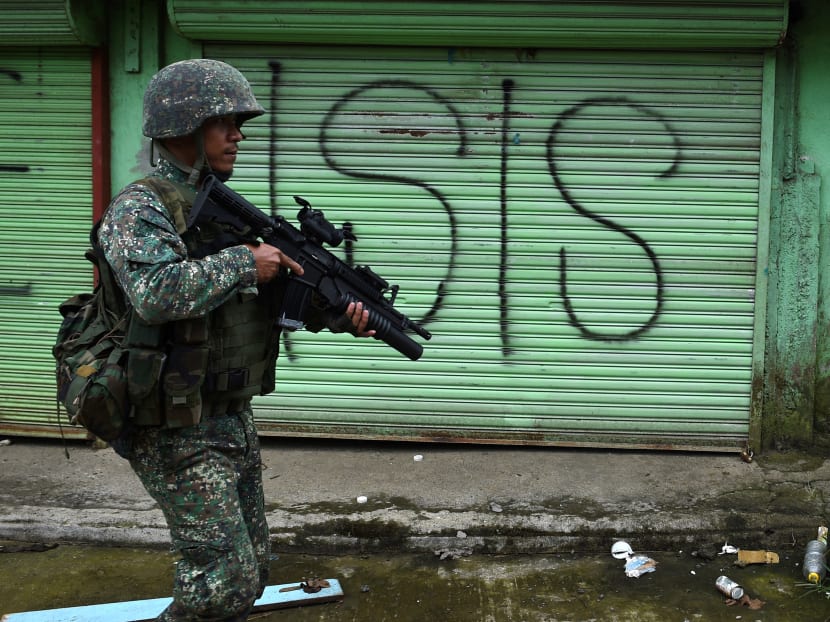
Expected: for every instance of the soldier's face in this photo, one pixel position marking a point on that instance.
(221, 141)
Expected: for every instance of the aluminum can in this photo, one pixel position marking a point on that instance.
(728, 587)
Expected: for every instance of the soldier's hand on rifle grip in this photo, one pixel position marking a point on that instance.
(269, 259)
(360, 318)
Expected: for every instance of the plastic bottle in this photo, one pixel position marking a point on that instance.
(814, 567)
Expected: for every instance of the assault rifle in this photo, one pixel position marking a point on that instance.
(335, 283)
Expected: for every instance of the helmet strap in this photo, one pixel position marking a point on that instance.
(201, 162)
(200, 166)
(193, 172)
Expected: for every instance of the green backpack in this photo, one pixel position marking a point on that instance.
(89, 359)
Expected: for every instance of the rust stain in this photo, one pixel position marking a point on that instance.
(416, 133)
(493, 116)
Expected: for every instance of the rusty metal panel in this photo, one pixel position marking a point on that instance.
(577, 229)
(45, 216)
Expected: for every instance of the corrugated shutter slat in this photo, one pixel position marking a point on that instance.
(509, 23)
(631, 164)
(46, 199)
(52, 22)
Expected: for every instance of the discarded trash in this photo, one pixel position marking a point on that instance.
(635, 565)
(756, 557)
(735, 594)
(621, 550)
(495, 507)
(418, 458)
(638, 565)
(5, 442)
(311, 586)
(728, 587)
(814, 568)
(274, 597)
(362, 499)
(728, 549)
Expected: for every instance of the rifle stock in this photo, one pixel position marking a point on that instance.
(336, 283)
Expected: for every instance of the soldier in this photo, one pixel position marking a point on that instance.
(202, 341)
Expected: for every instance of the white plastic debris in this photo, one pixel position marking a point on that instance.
(635, 565)
(418, 458)
(362, 499)
(621, 550)
(727, 549)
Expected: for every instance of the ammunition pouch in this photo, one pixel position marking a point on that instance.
(167, 365)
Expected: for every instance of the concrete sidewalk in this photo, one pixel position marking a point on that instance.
(449, 499)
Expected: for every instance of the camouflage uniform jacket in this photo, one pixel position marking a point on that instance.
(206, 342)
(151, 262)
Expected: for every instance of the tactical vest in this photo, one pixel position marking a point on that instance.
(186, 369)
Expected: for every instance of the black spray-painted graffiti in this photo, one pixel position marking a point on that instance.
(13, 168)
(507, 91)
(334, 164)
(560, 124)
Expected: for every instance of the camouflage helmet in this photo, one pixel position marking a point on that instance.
(182, 96)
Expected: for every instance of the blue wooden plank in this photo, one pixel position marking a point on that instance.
(140, 610)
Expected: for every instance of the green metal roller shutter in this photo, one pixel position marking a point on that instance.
(45, 215)
(52, 22)
(641, 24)
(580, 228)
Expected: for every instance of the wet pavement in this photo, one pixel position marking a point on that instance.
(419, 531)
(419, 497)
(420, 587)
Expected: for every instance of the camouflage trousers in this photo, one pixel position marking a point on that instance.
(207, 479)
